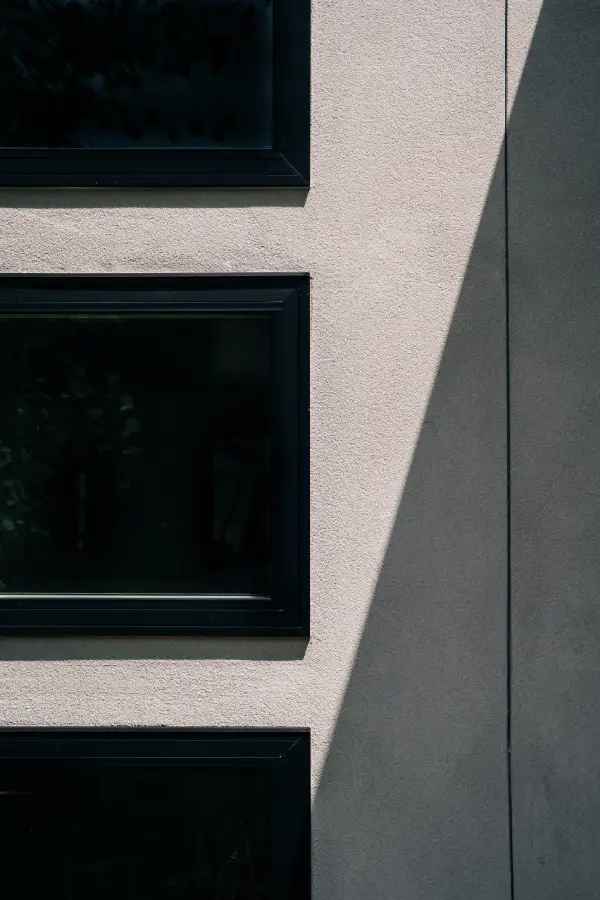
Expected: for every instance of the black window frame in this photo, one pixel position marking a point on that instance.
(287, 164)
(286, 613)
(285, 752)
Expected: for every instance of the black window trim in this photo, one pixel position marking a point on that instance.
(286, 752)
(286, 612)
(285, 165)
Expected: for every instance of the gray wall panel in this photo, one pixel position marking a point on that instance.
(554, 226)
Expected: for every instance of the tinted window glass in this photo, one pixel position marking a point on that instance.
(89, 832)
(135, 453)
(136, 73)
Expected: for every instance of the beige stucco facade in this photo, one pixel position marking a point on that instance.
(403, 682)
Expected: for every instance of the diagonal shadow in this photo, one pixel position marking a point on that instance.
(413, 800)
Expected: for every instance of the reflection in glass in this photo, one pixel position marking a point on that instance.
(136, 73)
(135, 454)
(129, 832)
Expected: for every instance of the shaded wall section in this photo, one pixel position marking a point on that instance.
(413, 801)
(554, 203)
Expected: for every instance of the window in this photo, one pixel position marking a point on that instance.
(143, 815)
(153, 455)
(154, 92)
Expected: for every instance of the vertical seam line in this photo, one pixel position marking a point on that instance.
(508, 476)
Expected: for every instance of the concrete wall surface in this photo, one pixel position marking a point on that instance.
(553, 203)
(403, 683)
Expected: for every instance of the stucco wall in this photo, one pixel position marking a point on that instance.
(403, 682)
(554, 198)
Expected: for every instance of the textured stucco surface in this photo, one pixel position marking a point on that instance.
(554, 196)
(403, 681)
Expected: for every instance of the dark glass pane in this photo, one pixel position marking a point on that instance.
(91, 832)
(135, 454)
(136, 73)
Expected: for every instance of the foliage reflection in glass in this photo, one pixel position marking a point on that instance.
(136, 73)
(135, 454)
(136, 833)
